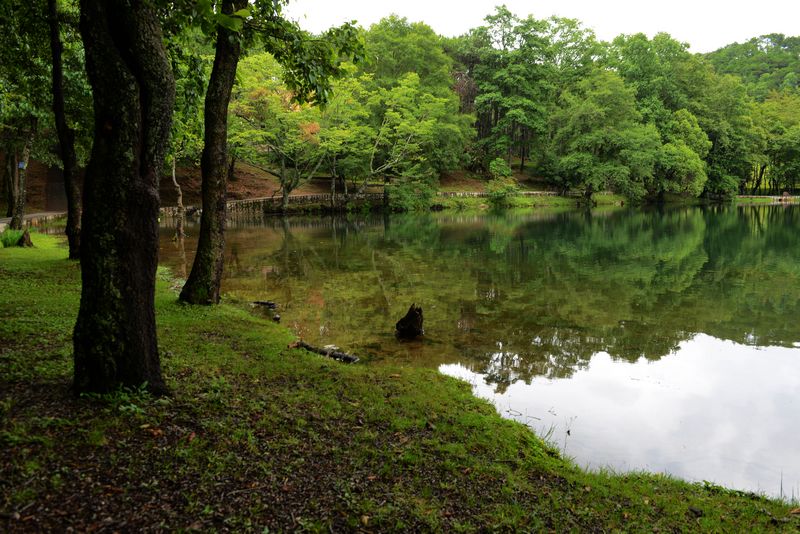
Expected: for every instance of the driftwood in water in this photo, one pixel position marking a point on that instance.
(330, 352)
(410, 326)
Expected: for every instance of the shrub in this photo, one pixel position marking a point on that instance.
(498, 168)
(502, 190)
(411, 195)
(10, 237)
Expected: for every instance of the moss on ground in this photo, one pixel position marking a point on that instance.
(259, 436)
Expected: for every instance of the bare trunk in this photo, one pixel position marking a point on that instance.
(6, 182)
(203, 284)
(180, 214)
(285, 185)
(18, 182)
(115, 335)
(66, 139)
(11, 173)
(333, 185)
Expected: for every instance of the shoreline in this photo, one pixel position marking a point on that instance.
(259, 435)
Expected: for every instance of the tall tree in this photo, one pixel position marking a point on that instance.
(23, 104)
(600, 140)
(66, 137)
(395, 47)
(310, 64)
(203, 284)
(115, 333)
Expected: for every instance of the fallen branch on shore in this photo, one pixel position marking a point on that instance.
(330, 351)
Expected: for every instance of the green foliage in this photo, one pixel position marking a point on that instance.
(190, 66)
(501, 190)
(366, 132)
(498, 168)
(25, 80)
(410, 194)
(9, 237)
(599, 140)
(765, 64)
(395, 47)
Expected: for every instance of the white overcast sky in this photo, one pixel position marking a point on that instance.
(705, 25)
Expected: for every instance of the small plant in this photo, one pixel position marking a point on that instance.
(10, 237)
(124, 400)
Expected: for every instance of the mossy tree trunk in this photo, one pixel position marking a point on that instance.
(203, 284)
(66, 138)
(133, 88)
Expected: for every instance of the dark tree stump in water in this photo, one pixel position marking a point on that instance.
(25, 240)
(410, 326)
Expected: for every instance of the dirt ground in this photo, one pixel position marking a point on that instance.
(45, 188)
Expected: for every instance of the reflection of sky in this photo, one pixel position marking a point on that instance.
(715, 411)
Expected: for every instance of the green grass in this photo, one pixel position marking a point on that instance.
(543, 201)
(258, 436)
(747, 200)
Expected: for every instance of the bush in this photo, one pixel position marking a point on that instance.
(498, 168)
(10, 237)
(502, 190)
(411, 195)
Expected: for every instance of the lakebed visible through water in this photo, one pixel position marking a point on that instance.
(664, 340)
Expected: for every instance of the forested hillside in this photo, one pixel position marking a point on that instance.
(765, 64)
(545, 98)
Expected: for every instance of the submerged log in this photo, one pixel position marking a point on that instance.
(329, 351)
(410, 326)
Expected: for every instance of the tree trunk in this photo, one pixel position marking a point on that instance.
(11, 174)
(333, 185)
(180, 214)
(133, 88)
(66, 139)
(5, 185)
(18, 180)
(285, 185)
(203, 284)
(232, 169)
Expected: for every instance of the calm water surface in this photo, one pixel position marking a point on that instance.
(660, 340)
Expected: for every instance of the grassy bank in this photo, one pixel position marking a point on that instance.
(258, 435)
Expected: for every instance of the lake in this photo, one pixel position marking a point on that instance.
(666, 340)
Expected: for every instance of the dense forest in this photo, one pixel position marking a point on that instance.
(642, 117)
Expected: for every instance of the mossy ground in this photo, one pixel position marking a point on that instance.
(261, 437)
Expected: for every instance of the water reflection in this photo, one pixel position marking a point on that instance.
(706, 413)
(517, 300)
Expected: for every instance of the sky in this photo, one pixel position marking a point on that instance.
(705, 25)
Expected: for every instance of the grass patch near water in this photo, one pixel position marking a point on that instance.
(260, 437)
